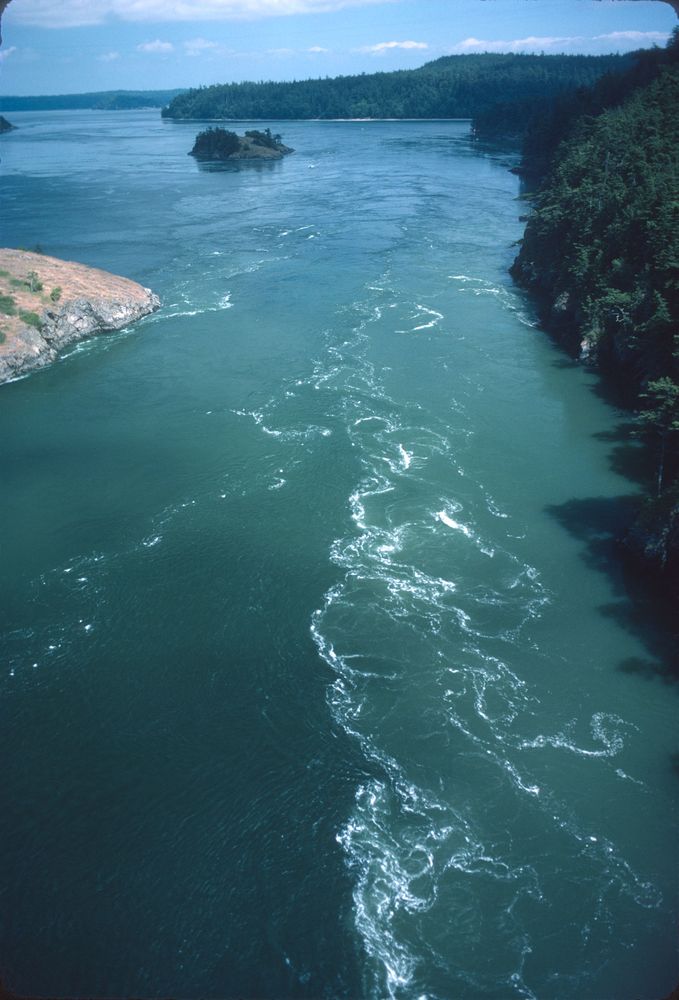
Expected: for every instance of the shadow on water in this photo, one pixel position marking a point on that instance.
(642, 606)
(628, 456)
(235, 166)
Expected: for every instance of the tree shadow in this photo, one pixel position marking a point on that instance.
(628, 456)
(643, 606)
(616, 389)
(564, 361)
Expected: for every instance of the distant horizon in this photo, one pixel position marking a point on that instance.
(155, 90)
(53, 49)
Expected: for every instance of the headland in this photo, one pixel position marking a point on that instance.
(47, 303)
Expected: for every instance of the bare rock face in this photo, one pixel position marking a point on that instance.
(46, 304)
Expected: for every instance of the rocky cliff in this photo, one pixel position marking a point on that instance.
(46, 303)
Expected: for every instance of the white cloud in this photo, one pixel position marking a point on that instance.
(156, 47)
(382, 47)
(73, 13)
(545, 43)
(6, 53)
(317, 48)
(201, 46)
(642, 37)
(109, 56)
(533, 43)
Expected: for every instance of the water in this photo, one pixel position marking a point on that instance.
(318, 679)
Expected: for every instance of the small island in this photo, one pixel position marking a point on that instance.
(219, 145)
(46, 303)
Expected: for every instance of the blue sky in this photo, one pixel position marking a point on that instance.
(68, 46)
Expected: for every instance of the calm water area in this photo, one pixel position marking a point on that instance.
(317, 679)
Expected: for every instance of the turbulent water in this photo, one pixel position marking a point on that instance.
(318, 679)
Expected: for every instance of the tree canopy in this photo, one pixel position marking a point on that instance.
(103, 100)
(601, 249)
(450, 87)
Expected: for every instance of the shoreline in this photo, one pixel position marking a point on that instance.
(316, 121)
(47, 303)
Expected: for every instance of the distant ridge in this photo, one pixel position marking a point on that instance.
(103, 100)
(450, 87)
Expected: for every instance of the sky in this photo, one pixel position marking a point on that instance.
(71, 46)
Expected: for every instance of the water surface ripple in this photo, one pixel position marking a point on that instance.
(307, 692)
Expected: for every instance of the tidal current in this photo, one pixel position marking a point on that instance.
(318, 676)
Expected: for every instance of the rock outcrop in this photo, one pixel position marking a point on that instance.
(46, 304)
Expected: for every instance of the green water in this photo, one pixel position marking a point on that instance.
(318, 676)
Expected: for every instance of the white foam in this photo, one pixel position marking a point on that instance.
(426, 311)
(493, 508)
(628, 777)
(223, 303)
(406, 456)
(399, 838)
(455, 525)
(182, 312)
(605, 729)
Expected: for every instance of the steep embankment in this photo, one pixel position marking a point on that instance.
(601, 255)
(46, 303)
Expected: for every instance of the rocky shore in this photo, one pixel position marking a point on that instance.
(47, 303)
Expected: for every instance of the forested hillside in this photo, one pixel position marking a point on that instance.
(542, 124)
(450, 87)
(601, 253)
(103, 100)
